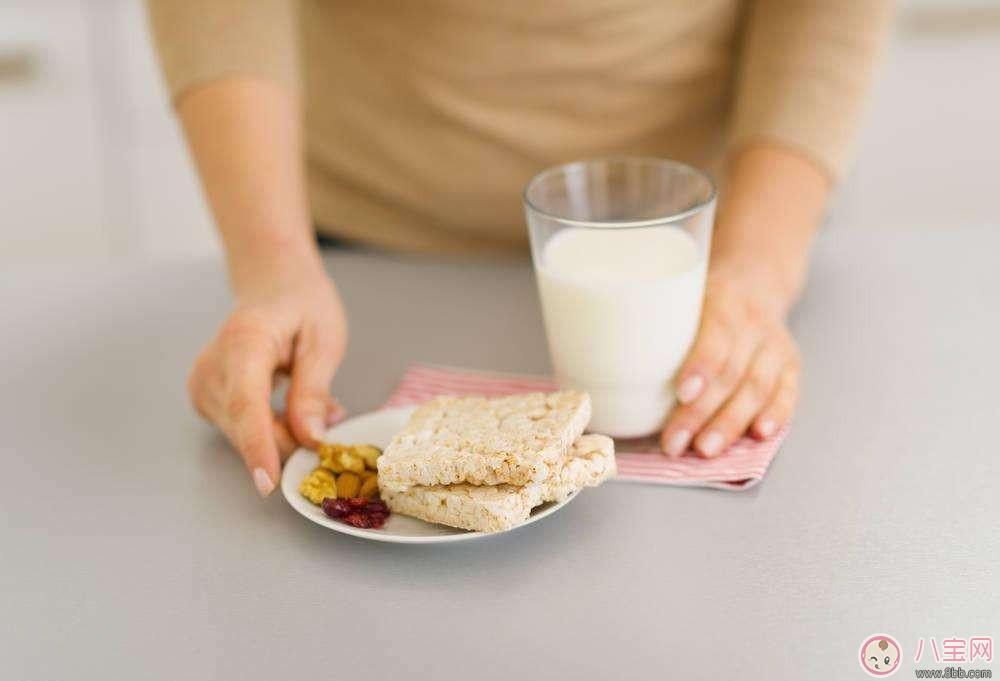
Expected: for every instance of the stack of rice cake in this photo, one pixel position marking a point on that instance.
(483, 464)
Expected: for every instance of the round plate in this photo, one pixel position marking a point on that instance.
(377, 428)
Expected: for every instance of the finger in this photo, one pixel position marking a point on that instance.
(202, 385)
(754, 391)
(335, 413)
(250, 427)
(283, 438)
(688, 419)
(246, 417)
(778, 411)
(705, 361)
(317, 354)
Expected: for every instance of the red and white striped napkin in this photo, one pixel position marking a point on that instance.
(741, 467)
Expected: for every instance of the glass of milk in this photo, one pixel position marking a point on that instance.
(620, 247)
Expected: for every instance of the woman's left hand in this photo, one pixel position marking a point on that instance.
(742, 374)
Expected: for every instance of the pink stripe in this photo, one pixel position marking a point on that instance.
(744, 464)
(720, 471)
(451, 385)
(690, 462)
(484, 376)
(477, 381)
(734, 483)
(730, 456)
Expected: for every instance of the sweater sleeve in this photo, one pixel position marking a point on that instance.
(203, 40)
(804, 73)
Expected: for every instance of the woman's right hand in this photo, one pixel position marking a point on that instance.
(245, 133)
(292, 325)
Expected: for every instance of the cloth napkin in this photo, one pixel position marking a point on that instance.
(742, 466)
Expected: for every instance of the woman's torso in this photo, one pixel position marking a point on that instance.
(425, 119)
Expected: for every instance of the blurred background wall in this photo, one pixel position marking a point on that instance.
(92, 164)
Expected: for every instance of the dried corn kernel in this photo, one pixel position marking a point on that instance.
(369, 453)
(369, 488)
(318, 485)
(348, 485)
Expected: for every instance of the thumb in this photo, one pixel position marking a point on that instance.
(317, 355)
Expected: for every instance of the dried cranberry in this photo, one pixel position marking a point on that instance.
(357, 511)
(357, 520)
(336, 508)
(377, 506)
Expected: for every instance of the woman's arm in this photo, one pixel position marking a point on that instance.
(743, 370)
(801, 83)
(244, 134)
(775, 200)
(231, 67)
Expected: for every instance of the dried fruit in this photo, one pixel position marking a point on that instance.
(377, 506)
(357, 511)
(345, 484)
(369, 488)
(348, 485)
(368, 453)
(358, 520)
(336, 508)
(318, 485)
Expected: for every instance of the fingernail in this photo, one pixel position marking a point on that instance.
(678, 443)
(766, 428)
(317, 427)
(689, 390)
(710, 444)
(263, 482)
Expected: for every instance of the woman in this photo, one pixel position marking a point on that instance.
(423, 120)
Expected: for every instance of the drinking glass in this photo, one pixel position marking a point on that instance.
(620, 248)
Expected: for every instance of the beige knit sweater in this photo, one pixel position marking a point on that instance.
(425, 118)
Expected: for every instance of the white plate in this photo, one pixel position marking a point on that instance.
(377, 428)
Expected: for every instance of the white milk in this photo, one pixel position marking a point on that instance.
(621, 309)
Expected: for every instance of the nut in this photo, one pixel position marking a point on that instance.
(350, 461)
(329, 455)
(369, 488)
(330, 448)
(348, 485)
(369, 453)
(318, 485)
(330, 463)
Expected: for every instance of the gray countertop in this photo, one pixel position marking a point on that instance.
(133, 545)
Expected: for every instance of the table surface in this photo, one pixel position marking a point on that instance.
(134, 546)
